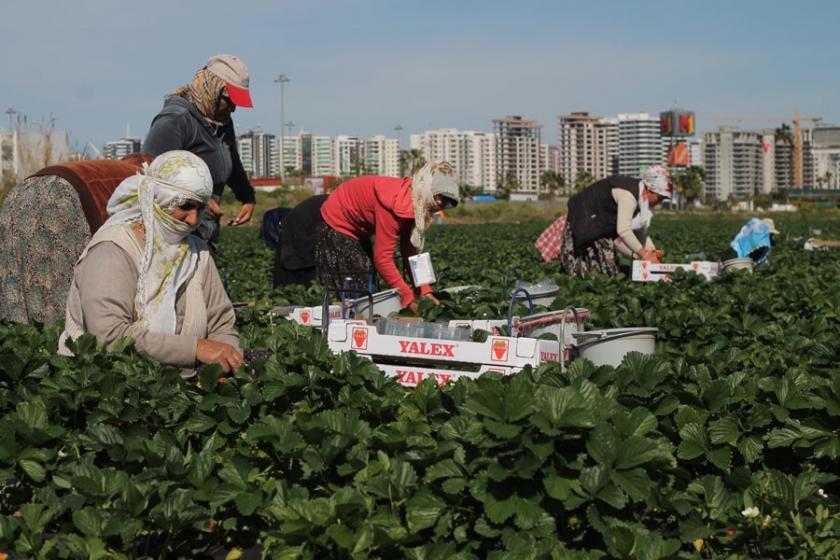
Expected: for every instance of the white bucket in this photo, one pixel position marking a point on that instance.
(608, 347)
(384, 303)
(542, 293)
(737, 264)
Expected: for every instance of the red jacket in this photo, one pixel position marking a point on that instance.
(381, 207)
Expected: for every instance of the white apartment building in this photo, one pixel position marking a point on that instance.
(545, 157)
(348, 151)
(826, 155)
(118, 149)
(312, 155)
(259, 154)
(518, 152)
(553, 162)
(738, 163)
(695, 152)
(382, 155)
(292, 152)
(587, 144)
(471, 153)
(323, 156)
(245, 147)
(639, 143)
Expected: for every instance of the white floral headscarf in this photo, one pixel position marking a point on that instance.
(170, 255)
(657, 178)
(433, 178)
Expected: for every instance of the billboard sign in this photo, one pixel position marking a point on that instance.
(676, 123)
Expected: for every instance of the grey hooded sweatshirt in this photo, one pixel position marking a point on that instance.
(179, 126)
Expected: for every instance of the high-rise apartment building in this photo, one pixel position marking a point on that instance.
(545, 157)
(382, 155)
(553, 161)
(118, 149)
(323, 156)
(738, 163)
(784, 161)
(292, 152)
(518, 152)
(348, 153)
(826, 155)
(471, 153)
(587, 144)
(245, 148)
(259, 154)
(639, 143)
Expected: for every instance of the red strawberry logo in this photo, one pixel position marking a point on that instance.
(304, 317)
(500, 349)
(360, 336)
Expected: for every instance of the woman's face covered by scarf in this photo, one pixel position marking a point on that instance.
(175, 180)
(435, 178)
(174, 183)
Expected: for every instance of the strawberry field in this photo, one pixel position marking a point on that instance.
(724, 444)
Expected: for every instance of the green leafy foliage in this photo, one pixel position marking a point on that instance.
(311, 455)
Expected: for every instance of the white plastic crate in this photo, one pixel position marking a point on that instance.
(498, 352)
(646, 271)
(308, 316)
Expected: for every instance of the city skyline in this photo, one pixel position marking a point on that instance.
(364, 68)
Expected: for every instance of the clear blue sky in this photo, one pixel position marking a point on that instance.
(365, 66)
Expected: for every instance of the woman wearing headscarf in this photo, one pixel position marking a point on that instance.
(389, 209)
(610, 215)
(45, 222)
(143, 275)
(197, 117)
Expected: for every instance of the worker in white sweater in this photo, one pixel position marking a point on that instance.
(610, 215)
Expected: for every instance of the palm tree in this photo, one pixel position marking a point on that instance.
(466, 192)
(507, 186)
(411, 161)
(689, 182)
(582, 180)
(553, 182)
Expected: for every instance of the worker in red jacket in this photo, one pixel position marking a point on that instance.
(387, 209)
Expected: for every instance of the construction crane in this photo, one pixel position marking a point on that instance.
(797, 136)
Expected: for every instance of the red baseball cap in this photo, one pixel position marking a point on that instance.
(233, 71)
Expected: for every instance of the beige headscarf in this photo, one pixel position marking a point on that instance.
(436, 177)
(204, 93)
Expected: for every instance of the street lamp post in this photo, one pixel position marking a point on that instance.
(282, 79)
(11, 112)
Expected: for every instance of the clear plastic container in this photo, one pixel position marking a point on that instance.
(438, 331)
(536, 288)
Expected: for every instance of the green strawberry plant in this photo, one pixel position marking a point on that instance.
(722, 444)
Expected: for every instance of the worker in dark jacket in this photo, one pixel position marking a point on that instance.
(197, 118)
(610, 215)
